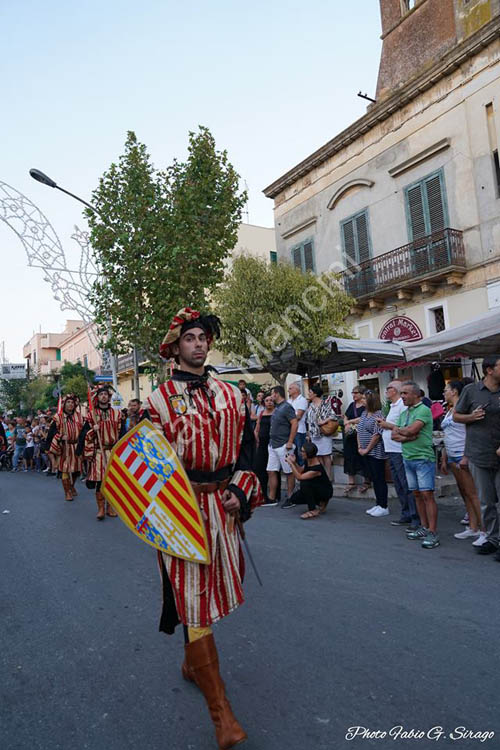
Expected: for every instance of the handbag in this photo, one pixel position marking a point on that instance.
(329, 428)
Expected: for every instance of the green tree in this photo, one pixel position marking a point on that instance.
(12, 394)
(266, 308)
(71, 370)
(35, 395)
(76, 384)
(160, 239)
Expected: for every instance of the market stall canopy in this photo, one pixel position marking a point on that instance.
(353, 354)
(475, 339)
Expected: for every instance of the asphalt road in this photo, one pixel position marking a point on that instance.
(355, 626)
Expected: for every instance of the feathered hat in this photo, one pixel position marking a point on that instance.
(184, 320)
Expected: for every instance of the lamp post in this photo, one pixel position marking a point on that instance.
(46, 180)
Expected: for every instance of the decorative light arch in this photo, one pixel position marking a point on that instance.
(44, 250)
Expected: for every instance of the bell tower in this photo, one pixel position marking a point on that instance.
(417, 33)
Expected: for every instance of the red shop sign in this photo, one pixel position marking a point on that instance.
(400, 329)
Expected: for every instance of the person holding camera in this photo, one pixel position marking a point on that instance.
(315, 486)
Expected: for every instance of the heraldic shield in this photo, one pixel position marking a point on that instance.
(149, 489)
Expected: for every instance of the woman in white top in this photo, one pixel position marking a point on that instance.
(454, 458)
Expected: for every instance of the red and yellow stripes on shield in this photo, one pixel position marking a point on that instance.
(172, 516)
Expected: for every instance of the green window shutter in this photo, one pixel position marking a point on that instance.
(363, 240)
(435, 205)
(308, 257)
(273, 257)
(349, 243)
(58, 355)
(297, 257)
(416, 212)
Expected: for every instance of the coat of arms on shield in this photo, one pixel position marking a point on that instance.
(178, 403)
(149, 489)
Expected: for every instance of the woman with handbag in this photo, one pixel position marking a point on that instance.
(322, 424)
(353, 463)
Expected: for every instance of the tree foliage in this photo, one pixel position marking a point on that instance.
(160, 238)
(26, 396)
(11, 394)
(265, 308)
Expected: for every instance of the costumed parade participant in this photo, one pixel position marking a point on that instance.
(207, 424)
(135, 413)
(62, 440)
(101, 431)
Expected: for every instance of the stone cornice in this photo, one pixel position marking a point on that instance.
(384, 109)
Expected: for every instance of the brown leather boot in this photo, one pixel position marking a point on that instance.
(203, 663)
(73, 488)
(66, 483)
(110, 510)
(100, 505)
(187, 673)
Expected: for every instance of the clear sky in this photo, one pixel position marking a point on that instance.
(272, 80)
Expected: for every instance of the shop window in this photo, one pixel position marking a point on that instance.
(426, 208)
(303, 256)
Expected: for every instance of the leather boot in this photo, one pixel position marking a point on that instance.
(187, 673)
(203, 663)
(66, 483)
(110, 510)
(73, 488)
(100, 505)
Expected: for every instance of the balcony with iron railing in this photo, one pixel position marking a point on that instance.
(125, 362)
(421, 264)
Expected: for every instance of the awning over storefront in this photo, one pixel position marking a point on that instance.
(367, 354)
(475, 339)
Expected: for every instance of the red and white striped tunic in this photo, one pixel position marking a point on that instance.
(109, 422)
(207, 433)
(64, 442)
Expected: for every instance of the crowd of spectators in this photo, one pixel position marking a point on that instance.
(392, 441)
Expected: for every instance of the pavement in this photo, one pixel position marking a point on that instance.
(354, 627)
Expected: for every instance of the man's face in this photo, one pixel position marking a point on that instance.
(494, 372)
(392, 393)
(293, 391)
(242, 386)
(133, 407)
(276, 397)
(193, 348)
(409, 396)
(69, 406)
(103, 398)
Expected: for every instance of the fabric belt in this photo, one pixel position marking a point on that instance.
(200, 487)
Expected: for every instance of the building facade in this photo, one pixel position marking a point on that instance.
(405, 203)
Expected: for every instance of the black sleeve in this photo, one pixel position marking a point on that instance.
(123, 429)
(81, 439)
(245, 462)
(50, 436)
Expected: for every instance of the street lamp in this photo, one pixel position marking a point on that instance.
(40, 176)
(46, 180)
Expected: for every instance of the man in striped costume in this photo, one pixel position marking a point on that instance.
(62, 440)
(207, 423)
(101, 431)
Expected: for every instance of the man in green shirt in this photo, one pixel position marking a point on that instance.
(414, 432)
